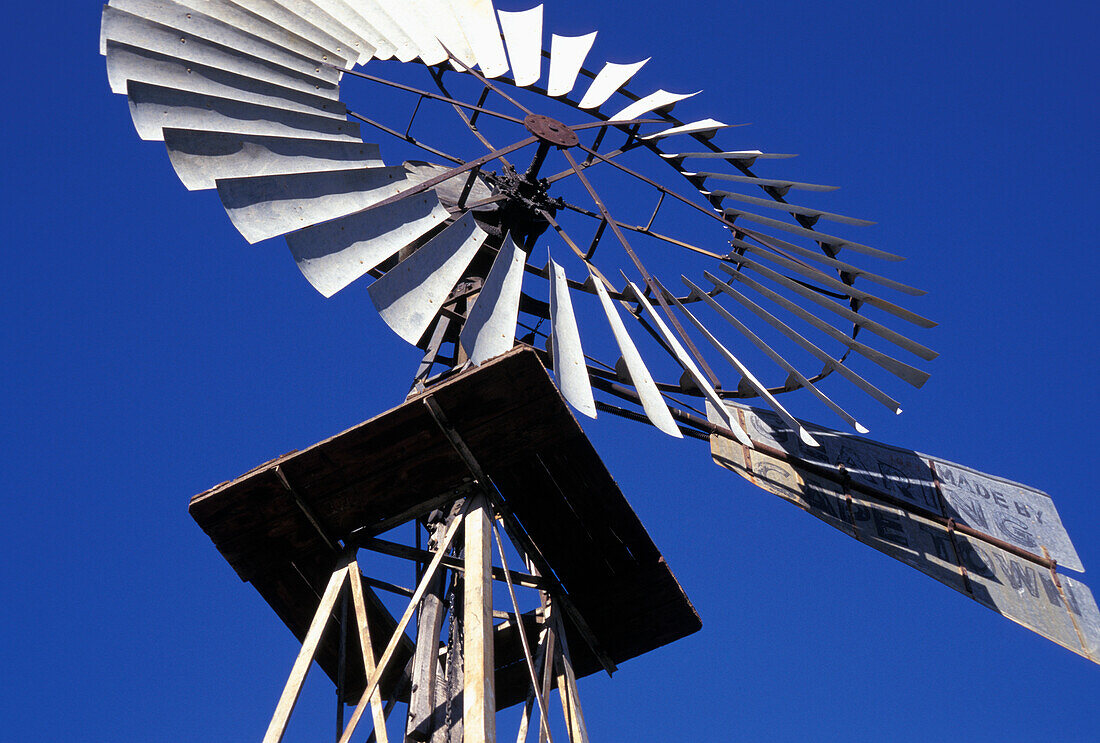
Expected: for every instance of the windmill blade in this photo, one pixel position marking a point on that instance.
(441, 21)
(830, 363)
(925, 353)
(660, 99)
(309, 12)
(154, 108)
(689, 366)
(125, 63)
(142, 64)
(479, 25)
(409, 18)
(233, 14)
(451, 191)
(490, 327)
(608, 81)
(880, 330)
(748, 376)
(570, 369)
(340, 52)
(804, 211)
(899, 369)
(201, 158)
(780, 185)
(839, 243)
(815, 255)
(744, 157)
(125, 28)
(411, 294)
(656, 409)
(333, 254)
(370, 32)
(187, 24)
(567, 54)
(523, 34)
(771, 353)
(705, 128)
(270, 205)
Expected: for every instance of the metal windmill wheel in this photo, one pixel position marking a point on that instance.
(246, 96)
(558, 201)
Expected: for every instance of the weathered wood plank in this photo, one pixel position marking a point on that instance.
(478, 697)
(277, 728)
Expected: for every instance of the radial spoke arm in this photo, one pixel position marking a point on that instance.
(651, 283)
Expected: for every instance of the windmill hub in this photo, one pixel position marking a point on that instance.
(522, 212)
(551, 131)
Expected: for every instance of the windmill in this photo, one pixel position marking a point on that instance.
(245, 96)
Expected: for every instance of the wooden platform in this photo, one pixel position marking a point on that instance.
(518, 427)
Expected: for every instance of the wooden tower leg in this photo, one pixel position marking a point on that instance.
(367, 646)
(426, 671)
(399, 631)
(277, 728)
(478, 694)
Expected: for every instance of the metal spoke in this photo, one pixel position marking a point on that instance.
(438, 78)
(458, 170)
(434, 96)
(651, 283)
(485, 81)
(406, 137)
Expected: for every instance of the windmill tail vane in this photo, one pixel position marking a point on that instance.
(517, 223)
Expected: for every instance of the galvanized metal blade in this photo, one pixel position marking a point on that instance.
(805, 211)
(155, 108)
(660, 99)
(479, 24)
(744, 157)
(656, 409)
(839, 286)
(340, 51)
(410, 19)
(705, 128)
(452, 191)
(129, 29)
(271, 205)
(799, 339)
(840, 309)
(772, 354)
(839, 243)
(900, 369)
(816, 255)
(523, 35)
(612, 77)
(570, 369)
(368, 36)
(125, 63)
(187, 24)
(322, 20)
(333, 254)
(688, 365)
(443, 23)
(746, 374)
(490, 327)
(411, 294)
(567, 55)
(775, 183)
(233, 14)
(201, 158)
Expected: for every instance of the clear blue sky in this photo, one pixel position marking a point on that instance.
(149, 353)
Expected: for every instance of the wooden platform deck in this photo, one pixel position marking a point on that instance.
(518, 427)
